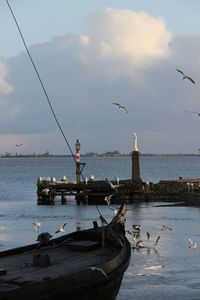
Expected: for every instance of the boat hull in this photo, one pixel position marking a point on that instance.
(85, 265)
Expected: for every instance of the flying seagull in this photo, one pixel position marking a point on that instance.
(184, 76)
(114, 209)
(120, 106)
(19, 144)
(191, 244)
(107, 199)
(36, 226)
(110, 184)
(62, 228)
(193, 112)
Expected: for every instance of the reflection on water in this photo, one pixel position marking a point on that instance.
(169, 270)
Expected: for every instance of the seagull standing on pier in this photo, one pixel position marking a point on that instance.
(61, 229)
(120, 106)
(184, 76)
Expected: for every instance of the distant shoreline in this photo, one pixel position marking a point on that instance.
(95, 155)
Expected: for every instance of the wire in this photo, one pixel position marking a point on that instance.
(40, 80)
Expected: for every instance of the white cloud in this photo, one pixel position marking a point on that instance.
(124, 41)
(5, 87)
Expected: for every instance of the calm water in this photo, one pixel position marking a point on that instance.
(174, 268)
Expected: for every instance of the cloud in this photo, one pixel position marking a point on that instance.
(5, 87)
(121, 42)
(125, 57)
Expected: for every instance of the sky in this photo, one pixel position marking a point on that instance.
(90, 54)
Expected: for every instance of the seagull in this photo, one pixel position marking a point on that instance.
(148, 236)
(37, 226)
(110, 183)
(138, 245)
(136, 228)
(193, 112)
(98, 270)
(156, 243)
(61, 229)
(184, 76)
(128, 231)
(192, 244)
(120, 106)
(107, 199)
(114, 209)
(167, 228)
(19, 144)
(46, 191)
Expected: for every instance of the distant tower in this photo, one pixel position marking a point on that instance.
(135, 162)
(78, 159)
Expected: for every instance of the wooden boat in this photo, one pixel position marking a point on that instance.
(87, 264)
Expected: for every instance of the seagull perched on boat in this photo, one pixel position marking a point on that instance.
(120, 106)
(193, 112)
(98, 270)
(62, 228)
(37, 225)
(184, 76)
(108, 199)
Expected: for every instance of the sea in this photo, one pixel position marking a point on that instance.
(168, 270)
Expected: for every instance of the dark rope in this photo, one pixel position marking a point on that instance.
(40, 80)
